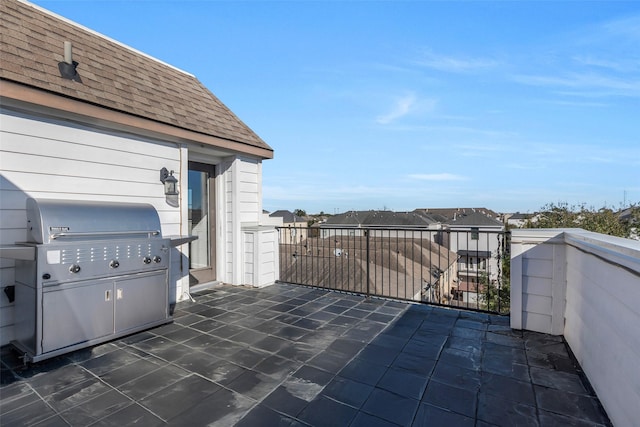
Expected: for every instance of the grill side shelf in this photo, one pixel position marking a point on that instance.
(26, 253)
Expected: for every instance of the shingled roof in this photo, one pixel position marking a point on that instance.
(112, 76)
(288, 216)
(379, 218)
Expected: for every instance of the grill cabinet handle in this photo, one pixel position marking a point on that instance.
(103, 233)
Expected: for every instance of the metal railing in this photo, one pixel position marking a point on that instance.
(460, 268)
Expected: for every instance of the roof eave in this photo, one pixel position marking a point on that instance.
(91, 112)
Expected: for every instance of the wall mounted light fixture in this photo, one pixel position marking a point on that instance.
(170, 182)
(170, 187)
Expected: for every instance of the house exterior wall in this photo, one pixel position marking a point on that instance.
(463, 239)
(47, 158)
(602, 317)
(538, 280)
(375, 231)
(240, 195)
(584, 286)
(293, 232)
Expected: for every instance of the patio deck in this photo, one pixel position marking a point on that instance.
(291, 355)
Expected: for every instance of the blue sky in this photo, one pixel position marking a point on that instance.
(508, 105)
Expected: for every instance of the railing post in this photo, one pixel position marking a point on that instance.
(366, 233)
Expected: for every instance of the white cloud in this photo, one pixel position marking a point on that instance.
(455, 64)
(584, 81)
(620, 65)
(406, 105)
(628, 28)
(437, 177)
(402, 107)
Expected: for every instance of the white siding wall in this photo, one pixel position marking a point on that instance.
(45, 158)
(602, 317)
(249, 252)
(226, 221)
(260, 256)
(241, 196)
(586, 286)
(538, 280)
(249, 183)
(269, 258)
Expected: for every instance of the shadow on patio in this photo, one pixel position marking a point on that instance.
(291, 355)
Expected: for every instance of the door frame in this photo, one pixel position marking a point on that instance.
(207, 274)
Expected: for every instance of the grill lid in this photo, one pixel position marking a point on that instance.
(55, 220)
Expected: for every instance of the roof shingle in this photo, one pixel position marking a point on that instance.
(113, 76)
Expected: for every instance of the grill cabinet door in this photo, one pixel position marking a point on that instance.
(74, 313)
(141, 300)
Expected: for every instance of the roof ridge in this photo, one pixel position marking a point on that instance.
(94, 32)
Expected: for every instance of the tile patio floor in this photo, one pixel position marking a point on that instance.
(289, 355)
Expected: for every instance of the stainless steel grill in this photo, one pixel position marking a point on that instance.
(89, 272)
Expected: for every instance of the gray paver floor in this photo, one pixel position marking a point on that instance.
(289, 355)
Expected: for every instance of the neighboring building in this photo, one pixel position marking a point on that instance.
(294, 228)
(404, 259)
(397, 266)
(474, 235)
(99, 121)
(478, 239)
(450, 214)
(381, 224)
(517, 220)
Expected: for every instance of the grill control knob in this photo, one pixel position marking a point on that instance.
(157, 259)
(75, 268)
(146, 260)
(114, 263)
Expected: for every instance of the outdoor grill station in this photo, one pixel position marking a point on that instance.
(88, 273)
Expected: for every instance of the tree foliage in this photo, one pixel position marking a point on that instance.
(604, 220)
(300, 212)
(496, 295)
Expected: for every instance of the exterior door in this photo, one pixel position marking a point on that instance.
(202, 222)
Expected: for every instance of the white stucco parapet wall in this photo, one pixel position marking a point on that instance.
(585, 286)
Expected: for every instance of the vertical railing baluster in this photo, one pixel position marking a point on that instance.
(366, 233)
(310, 259)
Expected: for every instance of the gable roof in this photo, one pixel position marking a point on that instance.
(475, 219)
(112, 76)
(379, 218)
(288, 217)
(449, 214)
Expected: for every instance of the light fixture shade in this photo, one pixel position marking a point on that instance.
(171, 186)
(170, 182)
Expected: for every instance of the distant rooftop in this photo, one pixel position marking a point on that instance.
(463, 216)
(288, 217)
(380, 218)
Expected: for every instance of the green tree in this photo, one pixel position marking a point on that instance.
(604, 220)
(496, 295)
(497, 298)
(300, 212)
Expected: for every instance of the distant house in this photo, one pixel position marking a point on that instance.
(294, 228)
(398, 266)
(450, 214)
(518, 220)
(476, 236)
(352, 223)
(85, 117)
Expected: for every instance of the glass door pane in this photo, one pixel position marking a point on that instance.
(199, 250)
